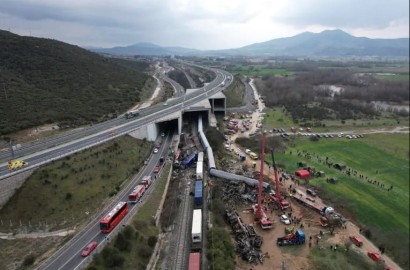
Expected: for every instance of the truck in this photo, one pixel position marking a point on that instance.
(146, 181)
(198, 193)
(296, 238)
(136, 194)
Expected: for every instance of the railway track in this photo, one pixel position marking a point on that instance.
(184, 222)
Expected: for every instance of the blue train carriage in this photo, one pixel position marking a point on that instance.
(189, 160)
(198, 194)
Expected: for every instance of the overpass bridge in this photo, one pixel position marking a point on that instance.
(147, 125)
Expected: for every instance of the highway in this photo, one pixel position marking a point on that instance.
(68, 257)
(43, 152)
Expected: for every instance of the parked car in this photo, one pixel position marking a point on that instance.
(311, 192)
(247, 151)
(285, 219)
(356, 240)
(89, 248)
(374, 256)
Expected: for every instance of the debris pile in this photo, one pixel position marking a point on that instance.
(248, 242)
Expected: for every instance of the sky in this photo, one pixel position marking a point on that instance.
(199, 24)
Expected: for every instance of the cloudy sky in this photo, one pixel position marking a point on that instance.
(200, 24)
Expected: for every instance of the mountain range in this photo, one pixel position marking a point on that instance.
(329, 43)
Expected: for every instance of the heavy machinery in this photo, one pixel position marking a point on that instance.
(279, 201)
(258, 211)
(296, 238)
(16, 164)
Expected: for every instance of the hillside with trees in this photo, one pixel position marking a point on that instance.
(46, 81)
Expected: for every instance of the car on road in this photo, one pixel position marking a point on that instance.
(311, 192)
(155, 150)
(248, 151)
(162, 134)
(356, 240)
(89, 248)
(285, 219)
(374, 256)
(16, 164)
(157, 169)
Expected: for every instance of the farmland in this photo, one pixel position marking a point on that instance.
(385, 213)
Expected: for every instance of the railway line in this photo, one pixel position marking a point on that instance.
(184, 224)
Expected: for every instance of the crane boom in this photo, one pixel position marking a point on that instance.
(259, 213)
(279, 200)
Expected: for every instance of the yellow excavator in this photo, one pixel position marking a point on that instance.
(16, 164)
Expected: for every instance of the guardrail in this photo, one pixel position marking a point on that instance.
(190, 98)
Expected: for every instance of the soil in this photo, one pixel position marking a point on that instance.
(33, 134)
(296, 257)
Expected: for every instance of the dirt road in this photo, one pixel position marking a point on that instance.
(277, 257)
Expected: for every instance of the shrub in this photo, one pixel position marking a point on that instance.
(122, 243)
(68, 196)
(29, 260)
(152, 240)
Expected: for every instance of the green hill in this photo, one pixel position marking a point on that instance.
(47, 81)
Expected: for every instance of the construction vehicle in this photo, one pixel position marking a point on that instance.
(279, 201)
(258, 211)
(16, 164)
(296, 238)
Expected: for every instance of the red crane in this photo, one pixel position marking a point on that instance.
(259, 214)
(279, 200)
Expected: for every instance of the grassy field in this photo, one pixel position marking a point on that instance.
(385, 213)
(278, 118)
(133, 247)
(21, 253)
(259, 70)
(371, 204)
(324, 259)
(235, 94)
(395, 77)
(71, 190)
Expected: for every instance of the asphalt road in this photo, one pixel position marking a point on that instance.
(68, 257)
(249, 98)
(55, 148)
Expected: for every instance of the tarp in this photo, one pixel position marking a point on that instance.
(303, 174)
